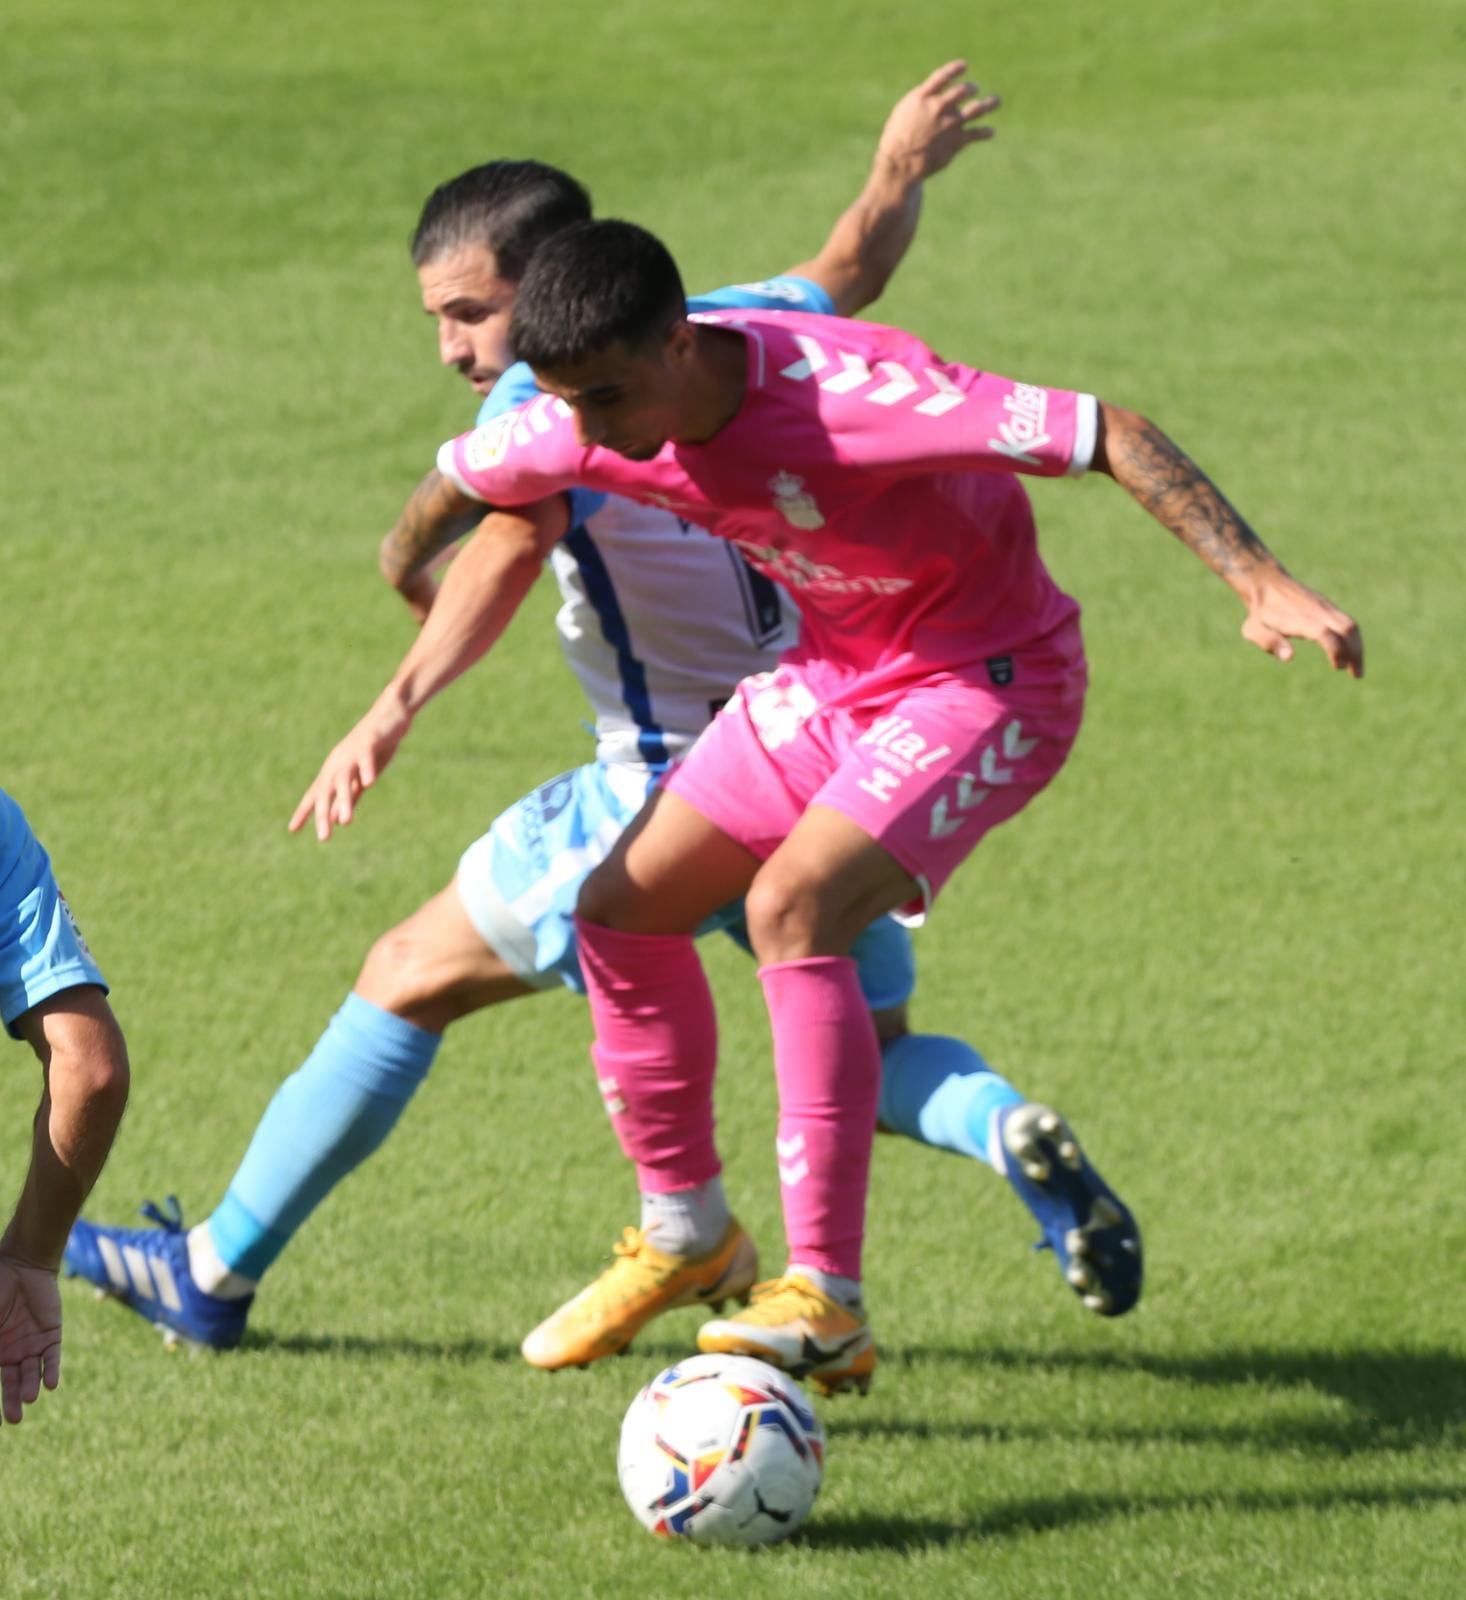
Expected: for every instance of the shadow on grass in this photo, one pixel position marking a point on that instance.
(361, 1347)
(1398, 1398)
(1024, 1517)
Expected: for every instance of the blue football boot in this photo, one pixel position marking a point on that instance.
(1085, 1223)
(147, 1270)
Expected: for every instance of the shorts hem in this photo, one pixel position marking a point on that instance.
(506, 935)
(73, 975)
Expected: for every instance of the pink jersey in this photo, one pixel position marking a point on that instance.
(868, 476)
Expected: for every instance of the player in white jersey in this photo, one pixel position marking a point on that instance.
(655, 668)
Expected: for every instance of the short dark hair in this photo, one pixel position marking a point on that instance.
(591, 286)
(510, 206)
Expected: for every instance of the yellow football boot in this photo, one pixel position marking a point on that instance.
(798, 1328)
(641, 1283)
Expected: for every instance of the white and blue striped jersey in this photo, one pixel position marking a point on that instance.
(659, 620)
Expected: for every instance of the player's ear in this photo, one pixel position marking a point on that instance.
(680, 342)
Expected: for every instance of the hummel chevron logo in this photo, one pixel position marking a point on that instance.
(815, 359)
(856, 373)
(611, 1094)
(1015, 747)
(791, 1172)
(535, 417)
(898, 383)
(969, 798)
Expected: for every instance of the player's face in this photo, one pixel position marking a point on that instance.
(471, 304)
(630, 399)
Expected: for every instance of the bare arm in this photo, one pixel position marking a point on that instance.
(925, 131)
(1180, 496)
(435, 517)
(480, 593)
(84, 1058)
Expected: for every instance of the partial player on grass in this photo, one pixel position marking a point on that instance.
(659, 623)
(937, 687)
(53, 996)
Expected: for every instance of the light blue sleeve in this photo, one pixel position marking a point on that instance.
(515, 387)
(773, 294)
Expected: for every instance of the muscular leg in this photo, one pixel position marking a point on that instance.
(434, 968)
(669, 872)
(339, 1106)
(810, 901)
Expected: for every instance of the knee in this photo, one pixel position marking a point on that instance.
(603, 898)
(398, 975)
(785, 919)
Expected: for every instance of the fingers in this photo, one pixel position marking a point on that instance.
(20, 1381)
(1341, 642)
(332, 798)
(1268, 639)
(980, 106)
(1345, 649)
(936, 81)
(303, 810)
(1351, 649)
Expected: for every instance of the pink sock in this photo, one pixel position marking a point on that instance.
(656, 1051)
(828, 1064)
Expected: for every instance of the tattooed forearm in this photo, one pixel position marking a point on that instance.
(436, 514)
(1180, 496)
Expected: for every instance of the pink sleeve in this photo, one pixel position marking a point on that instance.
(517, 458)
(923, 415)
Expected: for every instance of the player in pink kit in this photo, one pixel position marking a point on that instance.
(937, 687)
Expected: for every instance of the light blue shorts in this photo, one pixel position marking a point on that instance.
(519, 884)
(41, 950)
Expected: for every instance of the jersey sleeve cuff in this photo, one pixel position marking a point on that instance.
(1086, 427)
(448, 466)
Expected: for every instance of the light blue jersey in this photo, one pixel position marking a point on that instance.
(42, 951)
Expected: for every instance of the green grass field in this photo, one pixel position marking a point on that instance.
(1228, 942)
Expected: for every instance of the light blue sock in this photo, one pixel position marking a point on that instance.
(325, 1120)
(940, 1092)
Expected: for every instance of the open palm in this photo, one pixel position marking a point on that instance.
(30, 1335)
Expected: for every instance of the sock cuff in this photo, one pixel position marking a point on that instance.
(834, 965)
(631, 944)
(394, 1038)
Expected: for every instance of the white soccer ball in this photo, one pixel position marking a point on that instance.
(721, 1450)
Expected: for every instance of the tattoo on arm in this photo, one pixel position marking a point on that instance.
(1179, 495)
(436, 514)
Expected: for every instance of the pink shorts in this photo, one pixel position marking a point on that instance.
(925, 771)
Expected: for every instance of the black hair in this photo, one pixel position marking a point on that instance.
(592, 285)
(510, 206)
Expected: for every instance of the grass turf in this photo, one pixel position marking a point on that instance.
(1228, 942)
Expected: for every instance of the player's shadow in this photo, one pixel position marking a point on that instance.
(1397, 1399)
(360, 1347)
(1022, 1518)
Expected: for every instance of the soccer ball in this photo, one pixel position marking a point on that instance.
(721, 1450)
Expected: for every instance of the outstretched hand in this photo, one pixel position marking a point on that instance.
(352, 768)
(30, 1335)
(1285, 610)
(932, 123)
